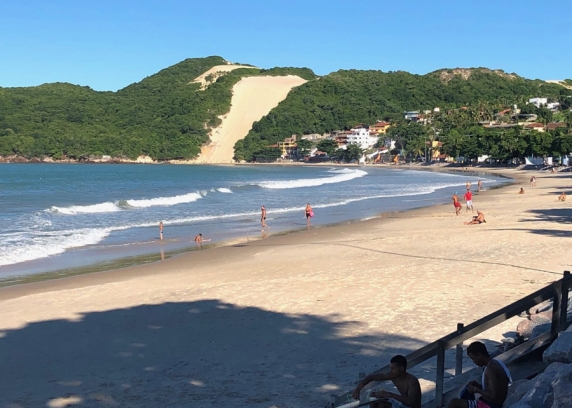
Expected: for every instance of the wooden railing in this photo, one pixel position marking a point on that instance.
(557, 291)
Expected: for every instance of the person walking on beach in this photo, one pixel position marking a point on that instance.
(480, 185)
(493, 388)
(263, 217)
(469, 200)
(407, 385)
(161, 230)
(309, 214)
(468, 185)
(456, 203)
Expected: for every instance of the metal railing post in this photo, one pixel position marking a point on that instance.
(440, 377)
(459, 353)
(564, 305)
(556, 308)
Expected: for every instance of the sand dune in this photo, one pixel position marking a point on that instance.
(252, 98)
(217, 71)
(559, 82)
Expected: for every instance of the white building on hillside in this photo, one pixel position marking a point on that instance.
(538, 101)
(362, 137)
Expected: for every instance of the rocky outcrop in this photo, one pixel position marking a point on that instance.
(538, 320)
(90, 160)
(560, 351)
(551, 389)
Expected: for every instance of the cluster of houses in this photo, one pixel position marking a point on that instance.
(526, 120)
(363, 136)
(366, 137)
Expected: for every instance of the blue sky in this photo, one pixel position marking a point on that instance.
(108, 44)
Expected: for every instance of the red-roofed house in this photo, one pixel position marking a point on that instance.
(554, 125)
(539, 127)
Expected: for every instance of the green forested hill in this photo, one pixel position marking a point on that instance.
(164, 115)
(349, 97)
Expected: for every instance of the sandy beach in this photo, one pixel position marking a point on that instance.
(284, 321)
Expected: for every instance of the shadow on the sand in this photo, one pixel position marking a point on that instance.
(195, 354)
(541, 231)
(558, 215)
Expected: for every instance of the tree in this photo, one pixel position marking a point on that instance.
(328, 146)
(452, 143)
(352, 153)
(304, 147)
(405, 133)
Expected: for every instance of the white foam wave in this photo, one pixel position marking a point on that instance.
(225, 190)
(341, 176)
(126, 204)
(86, 209)
(23, 248)
(165, 201)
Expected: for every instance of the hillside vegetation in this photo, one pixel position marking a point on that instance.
(168, 116)
(349, 97)
(165, 116)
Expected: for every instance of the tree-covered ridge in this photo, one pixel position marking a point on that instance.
(165, 116)
(349, 97)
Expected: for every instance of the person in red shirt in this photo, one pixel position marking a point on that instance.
(469, 200)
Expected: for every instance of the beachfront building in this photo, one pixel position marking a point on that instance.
(362, 137)
(342, 139)
(287, 146)
(379, 127)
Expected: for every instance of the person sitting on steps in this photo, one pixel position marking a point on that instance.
(493, 388)
(407, 385)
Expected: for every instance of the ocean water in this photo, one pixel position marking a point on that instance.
(59, 216)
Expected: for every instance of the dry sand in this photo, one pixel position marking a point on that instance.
(284, 321)
(253, 97)
(217, 71)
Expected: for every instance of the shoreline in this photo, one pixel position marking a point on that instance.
(118, 264)
(286, 320)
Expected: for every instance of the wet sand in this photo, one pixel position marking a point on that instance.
(284, 321)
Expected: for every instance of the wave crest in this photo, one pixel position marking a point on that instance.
(86, 209)
(340, 176)
(165, 201)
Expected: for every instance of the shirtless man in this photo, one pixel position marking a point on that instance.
(480, 185)
(478, 219)
(456, 203)
(263, 217)
(495, 381)
(468, 185)
(161, 230)
(562, 196)
(407, 385)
